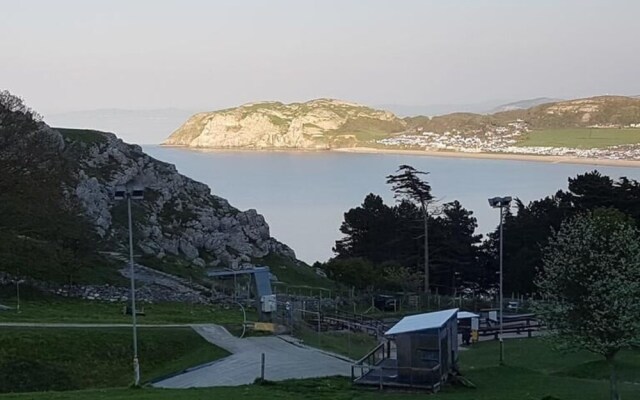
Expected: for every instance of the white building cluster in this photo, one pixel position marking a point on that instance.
(502, 139)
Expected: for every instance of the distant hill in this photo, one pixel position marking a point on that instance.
(134, 126)
(524, 104)
(316, 124)
(580, 113)
(404, 110)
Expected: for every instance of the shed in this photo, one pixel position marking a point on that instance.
(426, 352)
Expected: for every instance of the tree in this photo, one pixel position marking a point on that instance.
(401, 278)
(352, 272)
(407, 184)
(528, 229)
(590, 285)
(15, 104)
(368, 231)
(454, 247)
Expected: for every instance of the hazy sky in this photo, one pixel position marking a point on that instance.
(74, 55)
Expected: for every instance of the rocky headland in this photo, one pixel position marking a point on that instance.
(317, 124)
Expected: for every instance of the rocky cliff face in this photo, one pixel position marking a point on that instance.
(178, 217)
(317, 124)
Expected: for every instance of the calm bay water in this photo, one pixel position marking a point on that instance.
(303, 195)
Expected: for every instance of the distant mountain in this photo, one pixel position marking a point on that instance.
(524, 104)
(316, 124)
(133, 126)
(403, 110)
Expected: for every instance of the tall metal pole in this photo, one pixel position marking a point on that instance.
(501, 342)
(136, 364)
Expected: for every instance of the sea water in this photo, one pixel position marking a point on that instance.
(303, 195)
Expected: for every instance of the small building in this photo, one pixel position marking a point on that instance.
(426, 352)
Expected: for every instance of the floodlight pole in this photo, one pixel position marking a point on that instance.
(501, 202)
(136, 364)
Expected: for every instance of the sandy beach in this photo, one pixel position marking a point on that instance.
(435, 153)
(497, 156)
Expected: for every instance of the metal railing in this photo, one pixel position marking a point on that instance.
(411, 377)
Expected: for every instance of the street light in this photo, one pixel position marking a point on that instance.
(130, 192)
(501, 203)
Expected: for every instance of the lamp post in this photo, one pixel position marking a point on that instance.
(501, 203)
(130, 192)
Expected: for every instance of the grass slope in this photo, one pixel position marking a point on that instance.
(292, 274)
(581, 138)
(36, 307)
(353, 345)
(87, 136)
(62, 359)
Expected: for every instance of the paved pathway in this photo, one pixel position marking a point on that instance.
(284, 360)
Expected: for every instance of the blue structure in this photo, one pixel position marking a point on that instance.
(262, 280)
(261, 277)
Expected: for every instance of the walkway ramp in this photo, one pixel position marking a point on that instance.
(284, 360)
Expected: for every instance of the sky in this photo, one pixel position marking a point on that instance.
(67, 55)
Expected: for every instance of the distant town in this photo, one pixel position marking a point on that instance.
(505, 139)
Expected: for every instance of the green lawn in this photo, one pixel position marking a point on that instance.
(353, 345)
(581, 138)
(63, 359)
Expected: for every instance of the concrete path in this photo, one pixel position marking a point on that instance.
(284, 360)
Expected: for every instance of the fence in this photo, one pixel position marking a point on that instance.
(527, 323)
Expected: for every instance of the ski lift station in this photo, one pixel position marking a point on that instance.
(265, 300)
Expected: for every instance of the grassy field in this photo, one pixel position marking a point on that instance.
(59, 309)
(62, 359)
(581, 138)
(534, 370)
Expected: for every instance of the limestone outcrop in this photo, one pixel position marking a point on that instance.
(179, 216)
(317, 124)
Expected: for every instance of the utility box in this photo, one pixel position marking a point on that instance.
(493, 316)
(268, 303)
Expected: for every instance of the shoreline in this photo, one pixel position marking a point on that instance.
(497, 156)
(435, 153)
